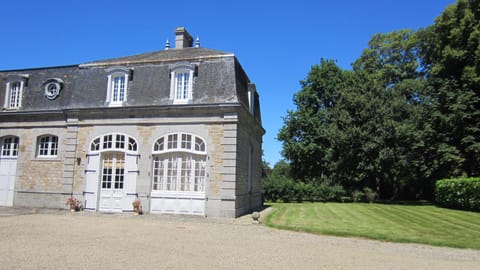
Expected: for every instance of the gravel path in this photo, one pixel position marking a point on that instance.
(64, 240)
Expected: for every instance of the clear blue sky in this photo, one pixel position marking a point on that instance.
(276, 42)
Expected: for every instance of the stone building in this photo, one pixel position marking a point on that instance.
(179, 129)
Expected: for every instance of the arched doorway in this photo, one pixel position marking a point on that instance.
(111, 173)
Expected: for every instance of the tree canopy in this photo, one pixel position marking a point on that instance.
(407, 114)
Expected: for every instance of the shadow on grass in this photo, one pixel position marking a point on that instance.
(419, 202)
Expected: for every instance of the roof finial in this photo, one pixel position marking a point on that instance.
(167, 45)
(197, 42)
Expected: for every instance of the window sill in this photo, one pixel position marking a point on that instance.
(177, 194)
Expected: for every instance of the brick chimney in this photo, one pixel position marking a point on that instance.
(182, 38)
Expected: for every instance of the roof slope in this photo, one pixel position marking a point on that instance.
(162, 56)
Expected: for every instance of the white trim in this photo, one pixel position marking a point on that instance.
(8, 95)
(178, 146)
(9, 149)
(51, 145)
(251, 100)
(110, 88)
(114, 143)
(180, 98)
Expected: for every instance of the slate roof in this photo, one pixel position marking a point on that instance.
(186, 54)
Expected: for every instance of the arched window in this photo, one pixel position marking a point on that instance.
(9, 146)
(114, 141)
(179, 163)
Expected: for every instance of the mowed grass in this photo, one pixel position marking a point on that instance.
(425, 224)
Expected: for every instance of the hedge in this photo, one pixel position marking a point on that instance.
(460, 193)
(283, 189)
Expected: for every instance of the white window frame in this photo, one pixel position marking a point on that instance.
(17, 103)
(181, 85)
(180, 142)
(115, 89)
(251, 99)
(47, 146)
(179, 164)
(9, 146)
(114, 142)
(115, 178)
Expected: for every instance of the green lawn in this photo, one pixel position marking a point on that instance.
(426, 224)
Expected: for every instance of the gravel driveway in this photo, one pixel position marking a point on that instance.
(64, 240)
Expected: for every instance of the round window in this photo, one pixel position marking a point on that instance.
(52, 90)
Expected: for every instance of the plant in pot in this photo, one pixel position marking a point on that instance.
(137, 206)
(74, 204)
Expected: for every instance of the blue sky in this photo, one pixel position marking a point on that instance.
(277, 42)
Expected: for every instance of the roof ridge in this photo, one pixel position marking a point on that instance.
(170, 55)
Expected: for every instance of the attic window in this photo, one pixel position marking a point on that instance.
(117, 88)
(13, 96)
(251, 98)
(181, 84)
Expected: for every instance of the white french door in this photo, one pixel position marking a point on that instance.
(8, 169)
(112, 182)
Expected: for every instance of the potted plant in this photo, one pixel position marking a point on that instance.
(74, 204)
(137, 206)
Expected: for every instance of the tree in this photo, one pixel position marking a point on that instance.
(451, 53)
(357, 128)
(306, 135)
(407, 115)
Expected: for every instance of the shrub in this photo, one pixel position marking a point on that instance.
(460, 193)
(370, 195)
(358, 196)
(280, 188)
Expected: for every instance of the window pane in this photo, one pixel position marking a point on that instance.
(6, 151)
(159, 145)
(185, 173)
(119, 141)
(15, 147)
(199, 145)
(172, 141)
(158, 174)
(186, 141)
(14, 98)
(132, 144)
(172, 173)
(199, 175)
(113, 169)
(182, 172)
(121, 94)
(48, 146)
(181, 85)
(107, 141)
(95, 145)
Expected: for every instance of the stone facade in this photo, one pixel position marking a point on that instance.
(212, 166)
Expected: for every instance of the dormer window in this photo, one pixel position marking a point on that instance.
(181, 84)
(13, 96)
(251, 98)
(117, 86)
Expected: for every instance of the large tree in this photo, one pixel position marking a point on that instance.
(406, 115)
(451, 53)
(307, 132)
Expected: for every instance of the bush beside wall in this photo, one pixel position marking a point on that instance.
(459, 193)
(283, 189)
